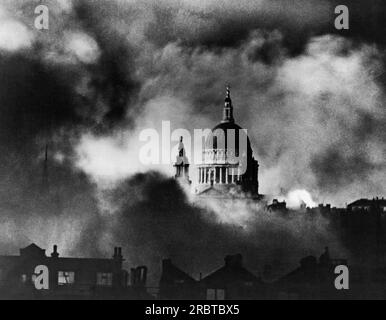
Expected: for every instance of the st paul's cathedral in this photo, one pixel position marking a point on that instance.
(228, 168)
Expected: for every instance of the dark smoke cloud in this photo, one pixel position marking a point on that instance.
(113, 77)
(334, 169)
(154, 219)
(35, 98)
(48, 97)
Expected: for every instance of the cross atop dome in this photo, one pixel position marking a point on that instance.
(228, 88)
(228, 107)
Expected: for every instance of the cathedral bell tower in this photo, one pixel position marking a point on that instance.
(182, 164)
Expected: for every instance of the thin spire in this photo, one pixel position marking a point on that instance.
(45, 168)
(228, 91)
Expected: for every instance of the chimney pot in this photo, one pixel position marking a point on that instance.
(55, 253)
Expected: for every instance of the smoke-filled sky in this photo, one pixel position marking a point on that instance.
(311, 97)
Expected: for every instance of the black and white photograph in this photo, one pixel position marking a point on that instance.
(202, 152)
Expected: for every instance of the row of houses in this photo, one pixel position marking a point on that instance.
(312, 279)
(94, 278)
(231, 281)
(70, 278)
(360, 206)
(86, 278)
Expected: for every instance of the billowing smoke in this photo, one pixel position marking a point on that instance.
(55, 85)
(154, 218)
(316, 121)
(310, 97)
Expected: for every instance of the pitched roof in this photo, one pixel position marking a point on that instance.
(172, 274)
(232, 272)
(368, 202)
(33, 249)
(228, 275)
(307, 271)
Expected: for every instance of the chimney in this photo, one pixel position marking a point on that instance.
(55, 253)
(118, 253)
(133, 275)
(139, 276)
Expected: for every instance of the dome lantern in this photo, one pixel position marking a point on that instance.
(228, 107)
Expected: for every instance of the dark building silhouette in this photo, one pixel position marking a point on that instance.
(232, 281)
(360, 228)
(313, 279)
(276, 205)
(176, 284)
(69, 278)
(366, 205)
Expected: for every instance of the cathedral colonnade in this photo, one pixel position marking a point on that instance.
(218, 175)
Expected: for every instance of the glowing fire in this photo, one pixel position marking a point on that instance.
(296, 198)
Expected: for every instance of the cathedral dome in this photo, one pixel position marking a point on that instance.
(218, 140)
(227, 128)
(228, 164)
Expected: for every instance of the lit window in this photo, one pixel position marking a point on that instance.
(215, 294)
(66, 277)
(104, 279)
